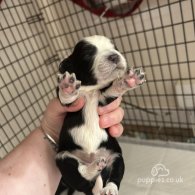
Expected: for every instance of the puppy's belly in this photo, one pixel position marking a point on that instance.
(91, 165)
(89, 138)
(101, 153)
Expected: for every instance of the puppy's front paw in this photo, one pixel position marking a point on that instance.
(134, 77)
(110, 189)
(68, 87)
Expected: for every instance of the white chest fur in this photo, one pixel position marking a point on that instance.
(89, 135)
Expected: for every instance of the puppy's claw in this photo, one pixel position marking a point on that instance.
(137, 71)
(78, 85)
(72, 79)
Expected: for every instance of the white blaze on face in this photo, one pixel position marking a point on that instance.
(104, 69)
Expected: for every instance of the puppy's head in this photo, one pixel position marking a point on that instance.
(95, 61)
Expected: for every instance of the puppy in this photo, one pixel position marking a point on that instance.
(89, 159)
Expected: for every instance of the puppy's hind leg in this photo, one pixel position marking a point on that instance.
(68, 165)
(116, 174)
(68, 88)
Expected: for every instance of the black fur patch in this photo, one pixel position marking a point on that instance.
(80, 62)
(72, 120)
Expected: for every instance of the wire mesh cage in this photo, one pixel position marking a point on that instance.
(158, 36)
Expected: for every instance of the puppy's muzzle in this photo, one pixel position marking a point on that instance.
(114, 58)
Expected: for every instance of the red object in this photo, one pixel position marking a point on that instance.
(99, 8)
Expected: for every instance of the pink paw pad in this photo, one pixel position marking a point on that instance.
(68, 83)
(135, 77)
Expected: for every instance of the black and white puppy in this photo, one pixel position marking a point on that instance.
(89, 159)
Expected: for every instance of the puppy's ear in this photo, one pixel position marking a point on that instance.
(66, 65)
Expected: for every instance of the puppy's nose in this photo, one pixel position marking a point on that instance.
(114, 58)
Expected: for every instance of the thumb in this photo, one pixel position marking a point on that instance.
(56, 108)
(75, 106)
(56, 111)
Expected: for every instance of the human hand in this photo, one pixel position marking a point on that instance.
(110, 116)
(54, 115)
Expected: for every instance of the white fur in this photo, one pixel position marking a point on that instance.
(65, 154)
(105, 70)
(89, 135)
(98, 186)
(67, 100)
(101, 42)
(110, 189)
(87, 171)
(89, 167)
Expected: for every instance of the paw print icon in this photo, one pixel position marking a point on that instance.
(160, 170)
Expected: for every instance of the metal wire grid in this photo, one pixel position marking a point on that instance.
(36, 35)
(171, 122)
(27, 73)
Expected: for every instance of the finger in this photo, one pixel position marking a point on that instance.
(112, 118)
(116, 130)
(110, 107)
(60, 109)
(77, 105)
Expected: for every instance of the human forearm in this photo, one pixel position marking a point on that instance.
(30, 168)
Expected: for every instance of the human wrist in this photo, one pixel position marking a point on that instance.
(47, 129)
(50, 139)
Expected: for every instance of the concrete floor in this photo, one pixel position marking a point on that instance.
(154, 170)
